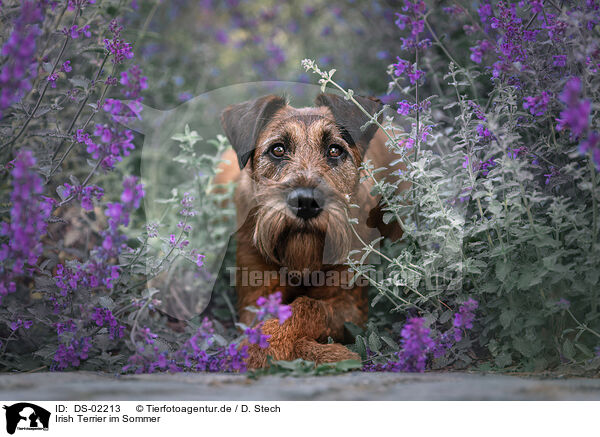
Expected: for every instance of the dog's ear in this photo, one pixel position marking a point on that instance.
(244, 122)
(350, 118)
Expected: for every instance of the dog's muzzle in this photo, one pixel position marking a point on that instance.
(306, 203)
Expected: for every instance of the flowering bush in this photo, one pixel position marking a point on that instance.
(74, 274)
(213, 44)
(498, 265)
(503, 163)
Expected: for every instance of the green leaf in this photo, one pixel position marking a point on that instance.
(374, 342)
(502, 270)
(361, 349)
(506, 317)
(568, 350)
(504, 359)
(391, 343)
(347, 365)
(528, 279)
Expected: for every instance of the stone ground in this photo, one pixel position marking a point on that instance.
(349, 386)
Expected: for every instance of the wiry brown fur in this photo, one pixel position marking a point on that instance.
(270, 236)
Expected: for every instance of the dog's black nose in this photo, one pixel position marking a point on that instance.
(306, 203)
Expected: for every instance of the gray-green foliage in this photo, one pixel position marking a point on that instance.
(520, 239)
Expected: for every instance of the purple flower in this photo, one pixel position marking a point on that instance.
(559, 60)
(553, 173)
(120, 111)
(326, 31)
(416, 344)
(221, 36)
(152, 230)
(477, 110)
(184, 96)
(404, 67)
(74, 4)
(512, 37)
(414, 7)
(407, 143)
(443, 344)
(71, 353)
(536, 5)
(255, 336)
(271, 307)
(28, 214)
(120, 49)
(115, 28)
(148, 336)
(483, 131)
(86, 31)
(133, 82)
(21, 324)
(592, 144)
(412, 23)
(113, 145)
(104, 316)
(84, 194)
(555, 28)
(66, 67)
(425, 132)
(404, 108)
(19, 67)
(97, 270)
(51, 78)
(73, 32)
(515, 153)
(187, 203)
(465, 163)
(537, 105)
(193, 353)
(485, 166)
(453, 10)
(563, 303)
(479, 50)
(485, 11)
(576, 115)
(463, 319)
(469, 30)
(118, 213)
(68, 326)
(132, 193)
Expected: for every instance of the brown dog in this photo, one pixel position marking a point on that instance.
(299, 174)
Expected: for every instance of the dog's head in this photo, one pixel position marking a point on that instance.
(303, 164)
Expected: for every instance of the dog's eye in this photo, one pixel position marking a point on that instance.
(277, 150)
(334, 151)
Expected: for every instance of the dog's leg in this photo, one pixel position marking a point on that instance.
(342, 305)
(311, 350)
(308, 319)
(312, 320)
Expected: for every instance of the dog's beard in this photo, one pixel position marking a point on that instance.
(298, 244)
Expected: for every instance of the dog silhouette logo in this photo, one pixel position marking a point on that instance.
(26, 416)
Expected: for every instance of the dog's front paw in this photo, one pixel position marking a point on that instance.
(281, 345)
(257, 357)
(311, 350)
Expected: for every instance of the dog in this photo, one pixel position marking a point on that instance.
(297, 172)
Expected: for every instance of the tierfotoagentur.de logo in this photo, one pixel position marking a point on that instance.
(26, 417)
